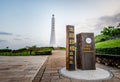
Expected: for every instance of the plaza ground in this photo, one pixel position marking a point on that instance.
(50, 70)
(42, 69)
(20, 68)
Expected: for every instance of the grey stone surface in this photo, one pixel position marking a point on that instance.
(20, 68)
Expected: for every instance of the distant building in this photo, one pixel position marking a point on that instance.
(52, 37)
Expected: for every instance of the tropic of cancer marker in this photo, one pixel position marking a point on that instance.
(70, 48)
(85, 55)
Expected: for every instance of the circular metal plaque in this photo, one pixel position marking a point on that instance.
(88, 40)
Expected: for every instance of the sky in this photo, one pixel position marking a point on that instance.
(28, 22)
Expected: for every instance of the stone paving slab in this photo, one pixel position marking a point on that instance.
(20, 68)
(58, 60)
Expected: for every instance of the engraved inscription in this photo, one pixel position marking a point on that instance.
(70, 47)
(71, 29)
(71, 35)
(71, 42)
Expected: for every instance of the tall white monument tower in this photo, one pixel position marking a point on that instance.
(52, 38)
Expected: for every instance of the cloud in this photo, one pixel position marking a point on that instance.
(86, 26)
(3, 41)
(27, 38)
(110, 20)
(18, 35)
(95, 25)
(5, 33)
(17, 39)
(105, 21)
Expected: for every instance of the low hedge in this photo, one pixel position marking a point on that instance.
(5, 50)
(46, 52)
(24, 53)
(113, 51)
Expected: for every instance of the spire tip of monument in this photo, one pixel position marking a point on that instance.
(52, 14)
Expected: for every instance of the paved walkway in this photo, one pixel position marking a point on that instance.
(37, 69)
(20, 68)
(50, 70)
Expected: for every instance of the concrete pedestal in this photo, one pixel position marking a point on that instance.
(98, 74)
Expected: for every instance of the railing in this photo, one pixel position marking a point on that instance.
(110, 60)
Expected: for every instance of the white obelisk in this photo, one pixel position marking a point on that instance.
(52, 38)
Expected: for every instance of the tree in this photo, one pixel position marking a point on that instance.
(108, 30)
(107, 33)
(117, 31)
(7, 47)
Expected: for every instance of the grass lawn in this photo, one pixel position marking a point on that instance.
(108, 44)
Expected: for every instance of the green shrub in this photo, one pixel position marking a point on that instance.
(27, 52)
(17, 53)
(44, 52)
(113, 51)
(62, 48)
(5, 50)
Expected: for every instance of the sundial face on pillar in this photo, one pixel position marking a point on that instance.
(88, 40)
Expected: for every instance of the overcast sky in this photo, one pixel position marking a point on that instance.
(28, 22)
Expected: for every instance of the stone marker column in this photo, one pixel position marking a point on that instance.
(70, 48)
(85, 54)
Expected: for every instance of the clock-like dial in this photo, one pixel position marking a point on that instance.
(88, 40)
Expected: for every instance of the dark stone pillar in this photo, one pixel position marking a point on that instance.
(70, 48)
(85, 54)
